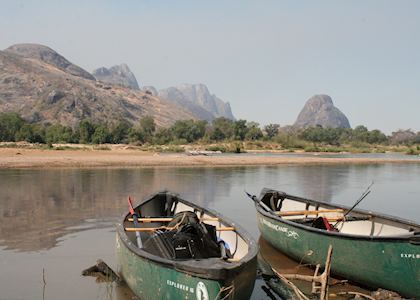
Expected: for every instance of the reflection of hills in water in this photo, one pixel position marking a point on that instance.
(40, 206)
(321, 183)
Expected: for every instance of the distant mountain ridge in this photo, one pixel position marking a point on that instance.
(119, 75)
(43, 86)
(319, 110)
(198, 99)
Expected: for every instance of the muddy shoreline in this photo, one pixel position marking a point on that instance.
(125, 158)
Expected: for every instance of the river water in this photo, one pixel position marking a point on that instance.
(55, 223)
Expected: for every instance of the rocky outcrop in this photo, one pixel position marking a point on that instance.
(41, 92)
(48, 56)
(151, 90)
(197, 99)
(117, 75)
(319, 110)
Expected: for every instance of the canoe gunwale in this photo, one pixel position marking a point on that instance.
(412, 237)
(215, 268)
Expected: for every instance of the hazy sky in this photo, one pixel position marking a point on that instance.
(265, 57)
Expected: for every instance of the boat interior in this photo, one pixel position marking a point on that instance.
(335, 218)
(163, 218)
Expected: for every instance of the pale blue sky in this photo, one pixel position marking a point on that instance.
(265, 57)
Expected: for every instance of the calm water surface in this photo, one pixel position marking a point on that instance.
(62, 221)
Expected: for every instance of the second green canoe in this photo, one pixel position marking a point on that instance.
(372, 249)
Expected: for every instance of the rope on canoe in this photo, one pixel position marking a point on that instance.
(180, 222)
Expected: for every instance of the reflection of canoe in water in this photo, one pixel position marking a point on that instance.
(369, 248)
(154, 272)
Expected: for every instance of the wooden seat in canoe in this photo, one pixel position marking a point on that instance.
(171, 228)
(167, 219)
(307, 212)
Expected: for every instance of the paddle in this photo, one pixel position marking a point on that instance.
(136, 223)
(363, 196)
(260, 203)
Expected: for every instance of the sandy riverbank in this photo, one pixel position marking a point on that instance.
(36, 158)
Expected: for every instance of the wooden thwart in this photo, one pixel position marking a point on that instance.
(131, 229)
(307, 212)
(167, 219)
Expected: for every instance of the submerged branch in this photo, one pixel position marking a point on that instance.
(102, 272)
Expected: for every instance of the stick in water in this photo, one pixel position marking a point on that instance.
(136, 223)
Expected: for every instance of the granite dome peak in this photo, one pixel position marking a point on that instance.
(319, 110)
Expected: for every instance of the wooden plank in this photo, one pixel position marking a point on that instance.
(307, 212)
(166, 219)
(225, 228)
(131, 229)
(334, 219)
(233, 259)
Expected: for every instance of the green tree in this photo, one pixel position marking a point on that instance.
(25, 133)
(119, 132)
(10, 124)
(31, 133)
(360, 134)
(148, 126)
(38, 134)
(136, 135)
(271, 130)
(163, 136)
(416, 139)
(189, 130)
(85, 131)
(376, 137)
(101, 135)
(322, 135)
(58, 133)
(222, 128)
(240, 130)
(254, 132)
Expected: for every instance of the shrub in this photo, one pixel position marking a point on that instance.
(216, 148)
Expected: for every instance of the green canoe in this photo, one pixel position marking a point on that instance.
(154, 276)
(372, 249)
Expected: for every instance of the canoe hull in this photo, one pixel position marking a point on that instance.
(390, 264)
(151, 280)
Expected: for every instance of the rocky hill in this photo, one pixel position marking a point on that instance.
(43, 86)
(117, 75)
(49, 56)
(320, 110)
(197, 99)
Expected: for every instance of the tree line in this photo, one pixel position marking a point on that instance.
(14, 128)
